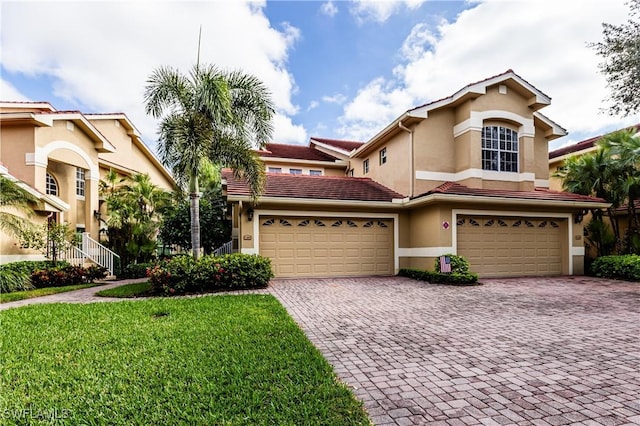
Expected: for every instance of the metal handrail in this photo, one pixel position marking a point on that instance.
(98, 253)
(226, 248)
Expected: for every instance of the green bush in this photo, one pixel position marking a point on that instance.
(453, 278)
(60, 276)
(11, 280)
(625, 267)
(183, 274)
(458, 263)
(30, 266)
(136, 270)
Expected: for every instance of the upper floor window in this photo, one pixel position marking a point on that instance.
(365, 166)
(274, 170)
(383, 156)
(295, 171)
(350, 173)
(51, 185)
(315, 172)
(499, 149)
(80, 182)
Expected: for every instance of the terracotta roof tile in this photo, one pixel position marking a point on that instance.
(345, 145)
(297, 152)
(585, 144)
(316, 187)
(454, 188)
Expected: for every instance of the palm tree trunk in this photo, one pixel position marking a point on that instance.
(194, 196)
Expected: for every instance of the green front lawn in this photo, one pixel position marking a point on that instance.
(126, 290)
(225, 360)
(29, 294)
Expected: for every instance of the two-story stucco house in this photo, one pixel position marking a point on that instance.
(60, 156)
(467, 174)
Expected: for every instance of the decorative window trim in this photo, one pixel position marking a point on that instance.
(383, 156)
(80, 182)
(500, 149)
(51, 185)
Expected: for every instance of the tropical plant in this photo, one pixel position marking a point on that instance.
(620, 51)
(16, 198)
(50, 239)
(212, 115)
(134, 204)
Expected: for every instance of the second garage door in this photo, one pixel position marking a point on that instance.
(323, 247)
(507, 246)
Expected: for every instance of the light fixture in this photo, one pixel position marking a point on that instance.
(250, 215)
(97, 215)
(577, 218)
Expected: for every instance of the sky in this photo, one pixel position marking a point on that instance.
(336, 69)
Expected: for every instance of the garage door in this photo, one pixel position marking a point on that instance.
(508, 246)
(322, 247)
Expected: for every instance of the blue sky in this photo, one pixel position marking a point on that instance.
(337, 69)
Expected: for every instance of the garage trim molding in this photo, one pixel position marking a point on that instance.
(456, 212)
(310, 213)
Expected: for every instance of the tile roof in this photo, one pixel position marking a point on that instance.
(345, 145)
(454, 188)
(315, 187)
(297, 152)
(585, 144)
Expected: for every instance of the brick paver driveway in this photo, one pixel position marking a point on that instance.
(547, 351)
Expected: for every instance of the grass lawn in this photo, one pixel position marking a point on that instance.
(28, 294)
(224, 360)
(126, 290)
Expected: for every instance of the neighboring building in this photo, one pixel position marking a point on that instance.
(467, 174)
(60, 156)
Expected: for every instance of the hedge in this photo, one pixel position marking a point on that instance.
(626, 267)
(453, 278)
(60, 276)
(183, 274)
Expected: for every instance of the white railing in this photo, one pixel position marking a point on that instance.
(226, 248)
(69, 253)
(98, 253)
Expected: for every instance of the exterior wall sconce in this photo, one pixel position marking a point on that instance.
(577, 218)
(250, 215)
(97, 215)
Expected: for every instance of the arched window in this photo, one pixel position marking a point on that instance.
(499, 149)
(52, 185)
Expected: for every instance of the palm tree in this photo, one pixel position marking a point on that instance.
(210, 115)
(15, 197)
(624, 147)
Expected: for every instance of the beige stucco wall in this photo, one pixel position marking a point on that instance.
(15, 142)
(285, 167)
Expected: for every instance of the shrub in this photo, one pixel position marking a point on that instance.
(183, 274)
(30, 266)
(459, 274)
(136, 270)
(454, 278)
(11, 280)
(625, 267)
(60, 276)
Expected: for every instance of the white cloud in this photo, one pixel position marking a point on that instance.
(380, 11)
(329, 8)
(544, 42)
(338, 98)
(287, 132)
(9, 93)
(313, 105)
(100, 54)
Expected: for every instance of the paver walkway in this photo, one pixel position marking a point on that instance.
(85, 295)
(540, 351)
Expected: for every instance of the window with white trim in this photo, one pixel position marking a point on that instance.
(295, 171)
(51, 185)
(274, 170)
(365, 166)
(499, 149)
(383, 156)
(80, 184)
(315, 172)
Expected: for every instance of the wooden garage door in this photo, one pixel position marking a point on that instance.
(323, 247)
(508, 246)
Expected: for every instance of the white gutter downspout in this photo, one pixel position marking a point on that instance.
(412, 177)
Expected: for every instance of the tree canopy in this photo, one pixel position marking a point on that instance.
(620, 51)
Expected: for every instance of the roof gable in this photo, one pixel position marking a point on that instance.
(297, 152)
